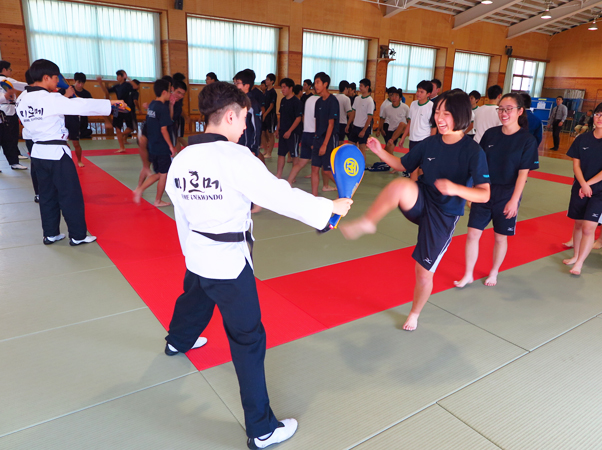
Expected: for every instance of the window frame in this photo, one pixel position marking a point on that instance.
(409, 66)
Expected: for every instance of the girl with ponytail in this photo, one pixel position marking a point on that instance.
(511, 152)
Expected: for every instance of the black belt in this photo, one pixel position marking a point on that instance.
(55, 142)
(230, 237)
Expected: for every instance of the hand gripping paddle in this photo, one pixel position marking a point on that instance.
(347, 163)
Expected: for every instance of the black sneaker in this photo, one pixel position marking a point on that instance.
(48, 240)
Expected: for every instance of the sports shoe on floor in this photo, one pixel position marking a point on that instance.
(286, 429)
(36, 198)
(23, 157)
(18, 167)
(87, 240)
(52, 239)
(170, 351)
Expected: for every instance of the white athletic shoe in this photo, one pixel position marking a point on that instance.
(285, 430)
(171, 350)
(52, 239)
(23, 157)
(18, 167)
(87, 240)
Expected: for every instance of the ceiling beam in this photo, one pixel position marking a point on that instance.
(481, 11)
(398, 6)
(559, 13)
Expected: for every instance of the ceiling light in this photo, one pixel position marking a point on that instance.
(593, 26)
(486, 2)
(546, 14)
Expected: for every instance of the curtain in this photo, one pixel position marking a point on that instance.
(470, 72)
(525, 76)
(96, 40)
(411, 66)
(540, 73)
(226, 48)
(509, 75)
(341, 57)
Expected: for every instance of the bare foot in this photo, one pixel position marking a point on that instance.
(328, 188)
(137, 195)
(491, 280)
(569, 261)
(357, 228)
(411, 322)
(464, 281)
(267, 156)
(568, 244)
(256, 209)
(576, 270)
(597, 244)
(121, 150)
(81, 164)
(161, 204)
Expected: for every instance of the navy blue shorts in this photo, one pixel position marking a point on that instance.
(307, 142)
(324, 160)
(160, 163)
(587, 208)
(354, 135)
(270, 122)
(435, 230)
(342, 133)
(72, 124)
(122, 118)
(389, 136)
(290, 145)
(483, 213)
(413, 144)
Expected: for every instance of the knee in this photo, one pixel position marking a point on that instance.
(589, 230)
(500, 239)
(474, 234)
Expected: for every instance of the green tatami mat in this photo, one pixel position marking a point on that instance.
(16, 194)
(49, 374)
(349, 382)
(182, 414)
(532, 303)
(17, 212)
(556, 166)
(548, 400)
(432, 429)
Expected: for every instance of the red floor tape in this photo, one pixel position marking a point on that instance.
(143, 244)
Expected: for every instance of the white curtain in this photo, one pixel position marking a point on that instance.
(540, 73)
(470, 72)
(525, 76)
(226, 48)
(96, 40)
(411, 66)
(341, 57)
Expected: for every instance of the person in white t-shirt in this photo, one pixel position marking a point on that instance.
(486, 116)
(474, 97)
(346, 113)
(362, 122)
(383, 127)
(396, 119)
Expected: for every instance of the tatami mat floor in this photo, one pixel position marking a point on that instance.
(511, 367)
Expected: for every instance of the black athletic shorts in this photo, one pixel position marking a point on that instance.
(483, 213)
(72, 124)
(354, 135)
(307, 142)
(290, 146)
(143, 130)
(324, 160)
(269, 124)
(389, 136)
(160, 163)
(342, 133)
(586, 208)
(123, 118)
(435, 230)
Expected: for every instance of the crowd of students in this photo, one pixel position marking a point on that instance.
(458, 152)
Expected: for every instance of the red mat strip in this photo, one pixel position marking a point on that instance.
(551, 177)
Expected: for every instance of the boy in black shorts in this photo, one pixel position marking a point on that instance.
(326, 137)
(363, 108)
(160, 148)
(123, 90)
(251, 136)
(436, 201)
(289, 125)
(79, 79)
(270, 119)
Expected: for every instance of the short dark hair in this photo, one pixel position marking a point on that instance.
(177, 84)
(216, 98)
(287, 82)
(560, 97)
(160, 86)
(366, 82)
(308, 82)
(271, 76)
(246, 76)
(458, 105)
(28, 78)
(262, 82)
(179, 76)
(598, 108)
(135, 80)
(212, 75)
(494, 92)
(353, 86)
(396, 91)
(79, 76)
(168, 79)
(523, 120)
(4, 65)
(120, 73)
(526, 99)
(436, 82)
(323, 77)
(476, 95)
(392, 90)
(43, 67)
(343, 85)
(297, 88)
(425, 85)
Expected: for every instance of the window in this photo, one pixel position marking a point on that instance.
(411, 66)
(470, 72)
(226, 48)
(96, 40)
(341, 57)
(525, 76)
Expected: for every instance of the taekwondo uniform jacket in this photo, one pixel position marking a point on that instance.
(42, 114)
(212, 185)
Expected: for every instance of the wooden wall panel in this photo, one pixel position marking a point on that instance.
(13, 48)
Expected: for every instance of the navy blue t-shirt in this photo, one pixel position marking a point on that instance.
(326, 110)
(270, 98)
(258, 96)
(290, 110)
(507, 154)
(157, 116)
(251, 137)
(588, 150)
(459, 163)
(124, 92)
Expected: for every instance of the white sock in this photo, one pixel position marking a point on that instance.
(265, 436)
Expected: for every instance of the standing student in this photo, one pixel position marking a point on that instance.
(176, 107)
(474, 97)
(80, 79)
(160, 147)
(213, 227)
(419, 120)
(396, 118)
(346, 113)
(9, 134)
(383, 127)
(72, 123)
(557, 118)
(363, 108)
(486, 116)
(289, 125)
(436, 89)
(42, 113)
(123, 91)
(585, 206)
(270, 119)
(307, 139)
(307, 85)
(435, 203)
(210, 78)
(511, 152)
(352, 92)
(298, 92)
(135, 104)
(251, 136)
(535, 123)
